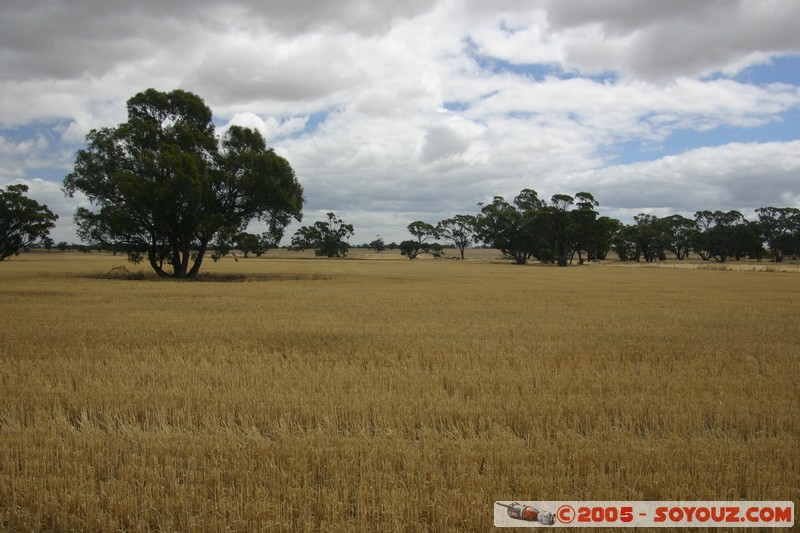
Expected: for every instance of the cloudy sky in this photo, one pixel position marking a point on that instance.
(392, 112)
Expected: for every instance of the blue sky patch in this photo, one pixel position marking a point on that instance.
(637, 150)
(781, 69)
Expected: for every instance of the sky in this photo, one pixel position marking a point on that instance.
(392, 112)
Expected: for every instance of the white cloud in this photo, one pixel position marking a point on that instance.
(731, 176)
(270, 127)
(660, 40)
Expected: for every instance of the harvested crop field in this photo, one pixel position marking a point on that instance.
(298, 394)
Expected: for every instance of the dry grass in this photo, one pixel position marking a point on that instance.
(319, 395)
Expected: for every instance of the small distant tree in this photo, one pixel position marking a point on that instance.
(642, 240)
(257, 244)
(48, 243)
(623, 241)
(246, 243)
(435, 249)
(780, 229)
(410, 249)
(223, 243)
(559, 227)
(648, 237)
(325, 238)
(677, 233)
(514, 229)
(605, 229)
(422, 231)
(723, 235)
(378, 245)
(23, 220)
(584, 228)
(461, 230)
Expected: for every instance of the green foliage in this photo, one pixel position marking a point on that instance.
(568, 226)
(559, 227)
(624, 244)
(780, 229)
(723, 235)
(461, 230)
(586, 231)
(677, 234)
(249, 243)
(325, 238)
(378, 245)
(604, 231)
(223, 243)
(718, 235)
(645, 239)
(410, 249)
(552, 232)
(511, 228)
(23, 221)
(434, 248)
(164, 187)
(422, 231)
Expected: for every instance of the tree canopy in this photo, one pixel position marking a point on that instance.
(23, 220)
(325, 238)
(164, 185)
(780, 229)
(460, 230)
(511, 228)
(532, 228)
(422, 231)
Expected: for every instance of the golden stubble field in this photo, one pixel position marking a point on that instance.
(357, 395)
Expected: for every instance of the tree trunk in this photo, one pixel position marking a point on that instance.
(151, 257)
(176, 261)
(197, 262)
(185, 253)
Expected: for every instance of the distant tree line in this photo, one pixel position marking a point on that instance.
(717, 235)
(567, 227)
(555, 231)
(527, 228)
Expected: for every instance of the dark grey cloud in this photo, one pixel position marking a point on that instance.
(442, 142)
(88, 38)
(362, 16)
(626, 16)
